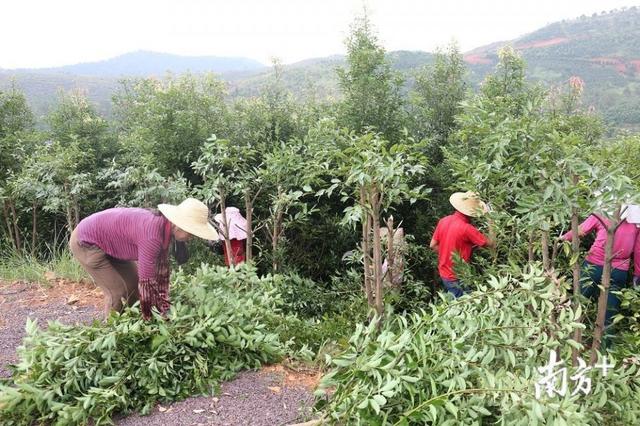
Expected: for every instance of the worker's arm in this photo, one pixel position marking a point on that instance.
(433, 245)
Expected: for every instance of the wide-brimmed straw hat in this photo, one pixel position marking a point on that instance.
(468, 203)
(191, 216)
(237, 224)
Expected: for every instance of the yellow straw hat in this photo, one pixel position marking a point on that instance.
(192, 216)
(468, 203)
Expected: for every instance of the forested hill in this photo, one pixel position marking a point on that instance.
(603, 49)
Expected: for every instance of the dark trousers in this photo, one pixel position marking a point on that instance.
(590, 289)
(455, 287)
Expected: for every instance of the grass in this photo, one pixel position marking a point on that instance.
(23, 266)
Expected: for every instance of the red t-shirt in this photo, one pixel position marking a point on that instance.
(237, 251)
(454, 233)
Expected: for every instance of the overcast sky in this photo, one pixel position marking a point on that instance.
(42, 33)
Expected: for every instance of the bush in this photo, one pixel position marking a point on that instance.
(308, 299)
(473, 360)
(319, 315)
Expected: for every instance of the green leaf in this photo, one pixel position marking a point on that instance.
(374, 405)
(409, 379)
(451, 408)
(381, 400)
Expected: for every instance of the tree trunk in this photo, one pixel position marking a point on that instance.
(390, 251)
(76, 210)
(377, 252)
(7, 218)
(366, 251)
(554, 253)
(16, 228)
(531, 241)
(275, 237)
(575, 250)
(69, 208)
(248, 205)
(34, 228)
(276, 231)
(69, 219)
(604, 291)
(225, 228)
(546, 263)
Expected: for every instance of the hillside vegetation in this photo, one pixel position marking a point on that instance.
(602, 49)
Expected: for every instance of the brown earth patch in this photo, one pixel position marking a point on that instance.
(294, 376)
(543, 43)
(617, 63)
(57, 290)
(476, 59)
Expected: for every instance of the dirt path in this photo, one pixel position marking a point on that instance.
(274, 395)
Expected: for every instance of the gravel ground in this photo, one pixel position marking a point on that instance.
(271, 396)
(253, 398)
(19, 301)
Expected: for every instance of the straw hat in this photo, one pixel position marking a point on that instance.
(191, 216)
(237, 224)
(468, 203)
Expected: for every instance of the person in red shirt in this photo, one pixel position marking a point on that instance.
(456, 234)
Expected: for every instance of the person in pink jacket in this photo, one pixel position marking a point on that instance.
(626, 246)
(126, 251)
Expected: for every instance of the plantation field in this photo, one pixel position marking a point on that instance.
(343, 280)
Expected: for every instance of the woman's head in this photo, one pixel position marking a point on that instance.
(191, 217)
(180, 234)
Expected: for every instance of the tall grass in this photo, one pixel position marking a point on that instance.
(52, 258)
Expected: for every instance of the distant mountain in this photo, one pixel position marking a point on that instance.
(143, 63)
(602, 49)
(99, 80)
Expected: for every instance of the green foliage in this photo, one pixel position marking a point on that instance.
(225, 168)
(74, 121)
(16, 144)
(627, 326)
(308, 299)
(473, 360)
(141, 186)
(384, 174)
(216, 327)
(505, 130)
(622, 154)
(163, 123)
(435, 99)
(371, 89)
(22, 266)
(15, 119)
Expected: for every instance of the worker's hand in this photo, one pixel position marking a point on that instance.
(636, 282)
